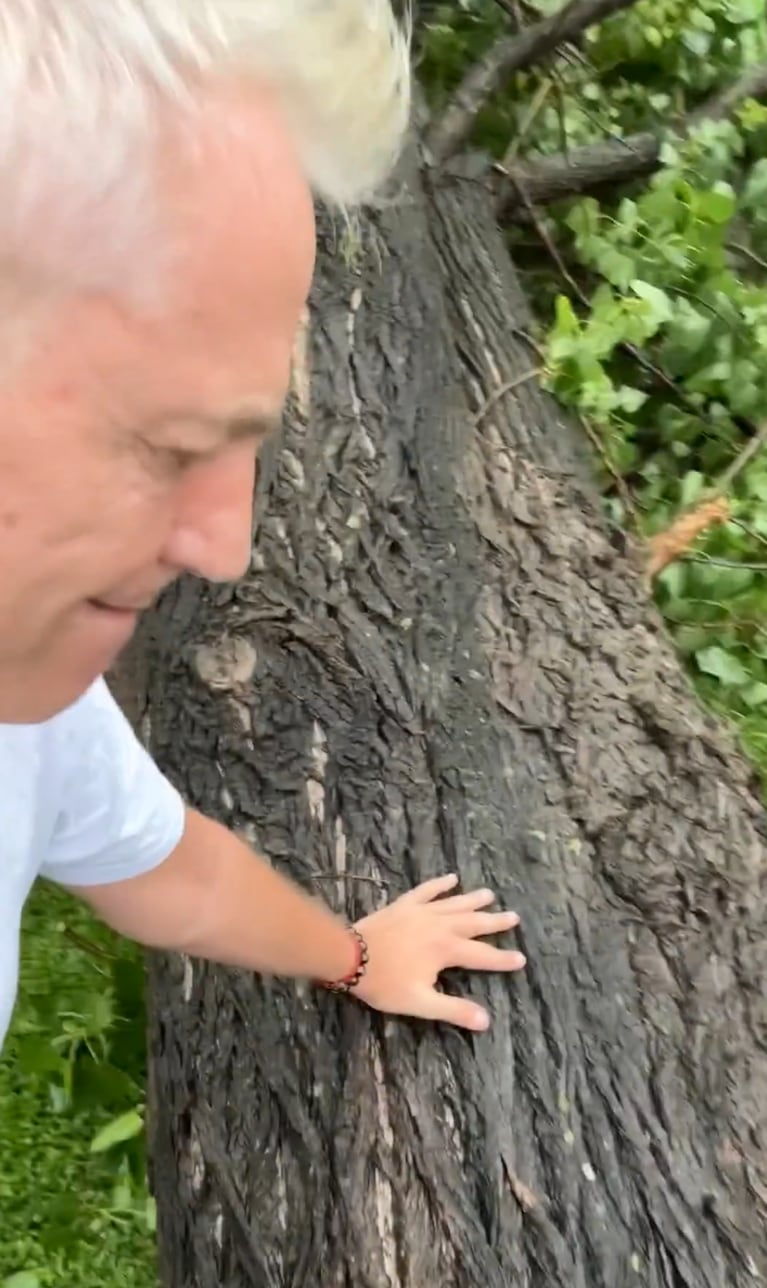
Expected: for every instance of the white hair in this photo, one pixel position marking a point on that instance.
(83, 84)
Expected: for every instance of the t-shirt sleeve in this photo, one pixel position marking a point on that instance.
(121, 817)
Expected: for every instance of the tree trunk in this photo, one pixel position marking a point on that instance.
(443, 659)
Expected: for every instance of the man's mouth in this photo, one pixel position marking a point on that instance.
(122, 610)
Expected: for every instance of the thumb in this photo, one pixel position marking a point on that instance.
(460, 1011)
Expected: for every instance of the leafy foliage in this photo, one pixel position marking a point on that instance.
(658, 336)
(73, 1192)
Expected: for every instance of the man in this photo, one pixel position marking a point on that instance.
(156, 249)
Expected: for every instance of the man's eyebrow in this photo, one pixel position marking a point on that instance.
(250, 425)
(246, 423)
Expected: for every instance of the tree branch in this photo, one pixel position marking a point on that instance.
(508, 55)
(752, 84)
(616, 160)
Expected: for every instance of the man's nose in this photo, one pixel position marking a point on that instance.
(213, 531)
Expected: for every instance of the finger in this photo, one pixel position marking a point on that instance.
(428, 890)
(460, 1011)
(469, 902)
(471, 925)
(467, 954)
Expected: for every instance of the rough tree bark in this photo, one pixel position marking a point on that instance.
(444, 659)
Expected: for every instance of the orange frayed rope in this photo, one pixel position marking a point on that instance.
(667, 546)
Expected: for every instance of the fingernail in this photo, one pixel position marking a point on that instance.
(482, 1021)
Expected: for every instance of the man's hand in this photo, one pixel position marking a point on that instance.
(414, 939)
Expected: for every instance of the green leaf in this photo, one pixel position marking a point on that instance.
(660, 307)
(630, 399)
(672, 580)
(744, 11)
(690, 638)
(35, 1055)
(717, 582)
(615, 266)
(126, 1127)
(698, 42)
(24, 1279)
(99, 1083)
(693, 484)
(755, 694)
(752, 114)
(584, 218)
(724, 666)
(755, 190)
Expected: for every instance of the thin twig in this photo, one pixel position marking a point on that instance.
(87, 945)
(750, 532)
(536, 103)
(749, 254)
(612, 469)
(522, 334)
(753, 445)
(725, 563)
(752, 84)
(512, 9)
(505, 388)
(548, 241)
(511, 54)
(350, 876)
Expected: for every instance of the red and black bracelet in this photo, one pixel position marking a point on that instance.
(351, 980)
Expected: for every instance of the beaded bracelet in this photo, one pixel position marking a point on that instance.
(351, 980)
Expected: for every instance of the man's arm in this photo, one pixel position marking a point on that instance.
(213, 897)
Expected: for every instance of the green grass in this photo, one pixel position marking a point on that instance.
(69, 1217)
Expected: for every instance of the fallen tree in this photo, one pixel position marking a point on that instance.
(443, 658)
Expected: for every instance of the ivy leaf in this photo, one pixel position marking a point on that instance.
(753, 114)
(615, 266)
(584, 218)
(24, 1279)
(755, 190)
(755, 694)
(717, 205)
(630, 399)
(659, 305)
(672, 580)
(698, 42)
(126, 1127)
(724, 666)
(693, 484)
(36, 1055)
(744, 11)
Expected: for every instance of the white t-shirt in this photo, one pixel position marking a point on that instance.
(81, 803)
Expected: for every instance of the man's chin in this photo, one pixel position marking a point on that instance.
(42, 705)
(48, 682)
(36, 698)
